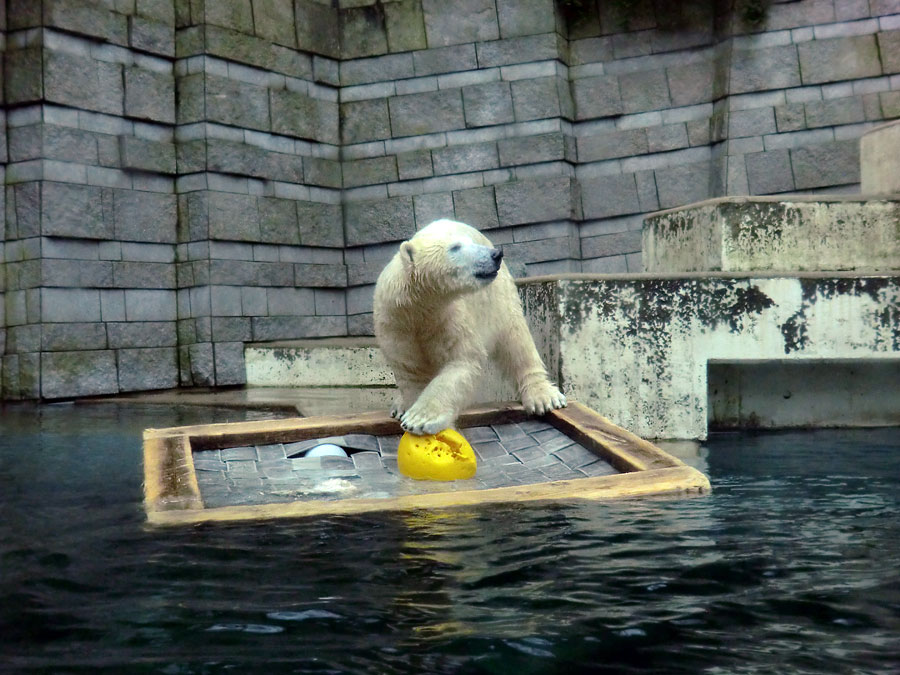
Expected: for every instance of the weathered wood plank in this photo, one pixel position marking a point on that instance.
(621, 448)
(675, 480)
(170, 482)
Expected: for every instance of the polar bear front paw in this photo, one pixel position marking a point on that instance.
(425, 419)
(542, 398)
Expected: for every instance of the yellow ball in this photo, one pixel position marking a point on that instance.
(442, 456)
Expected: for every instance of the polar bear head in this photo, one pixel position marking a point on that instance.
(448, 258)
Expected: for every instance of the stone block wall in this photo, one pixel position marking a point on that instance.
(183, 177)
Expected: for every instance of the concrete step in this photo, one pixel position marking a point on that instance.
(329, 362)
(775, 234)
(342, 363)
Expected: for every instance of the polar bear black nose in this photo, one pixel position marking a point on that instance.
(496, 255)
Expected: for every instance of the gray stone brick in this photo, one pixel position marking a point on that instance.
(460, 22)
(231, 329)
(274, 20)
(370, 171)
(617, 243)
(141, 334)
(597, 97)
(360, 325)
(233, 217)
(229, 363)
(643, 91)
(129, 274)
(431, 207)
(487, 104)
(614, 144)
(692, 84)
(145, 155)
(296, 327)
(147, 369)
(764, 69)
(234, 14)
(244, 105)
(148, 35)
(518, 50)
(839, 59)
(291, 302)
(426, 113)
(477, 207)
(253, 301)
(225, 301)
(23, 75)
(667, 137)
(23, 339)
(320, 276)
(323, 172)
(362, 32)
(359, 299)
(379, 221)
(445, 60)
(278, 221)
(889, 48)
(73, 211)
(78, 373)
(536, 99)
(145, 216)
(149, 95)
(405, 25)
(525, 17)
(81, 17)
(826, 165)
(317, 27)
(790, 117)
(531, 149)
(678, 185)
(82, 82)
(380, 68)
(320, 224)
(199, 369)
(534, 201)
(296, 114)
(753, 122)
(464, 158)
(416, 164)
(60, 337)
(112, 305)
(70, 305)
(834, 112)
(150, 305)
(330, 302)
(608, 196)
(76, 273)
(363, 121)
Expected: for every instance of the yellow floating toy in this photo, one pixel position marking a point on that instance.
(445, 455)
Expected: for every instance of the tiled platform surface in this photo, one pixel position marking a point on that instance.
(508, 454)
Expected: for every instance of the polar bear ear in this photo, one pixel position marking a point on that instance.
(407, 253)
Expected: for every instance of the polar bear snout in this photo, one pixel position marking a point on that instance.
(487, 267)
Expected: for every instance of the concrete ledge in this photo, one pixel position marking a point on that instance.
(336, 362)
(637, 348)
(744, 234)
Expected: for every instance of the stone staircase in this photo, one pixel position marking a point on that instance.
(752, 311)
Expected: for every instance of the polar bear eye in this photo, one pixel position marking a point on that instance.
(455, 248)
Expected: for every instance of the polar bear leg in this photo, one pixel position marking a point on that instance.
(520, 359)
(439, 404)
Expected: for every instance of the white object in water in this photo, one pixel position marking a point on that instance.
(326, 450)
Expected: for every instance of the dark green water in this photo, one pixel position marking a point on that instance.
(792, 565)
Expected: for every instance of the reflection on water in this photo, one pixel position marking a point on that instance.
(790, 566)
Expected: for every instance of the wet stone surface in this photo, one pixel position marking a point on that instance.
(508, 454)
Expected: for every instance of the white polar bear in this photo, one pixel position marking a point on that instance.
(444, 304)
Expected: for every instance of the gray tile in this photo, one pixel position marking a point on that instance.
(489, 449)
(270, 452)
(300, 447)
(575, 456)
(239, 453)
(361, 442)
(387, 445)
(367, 461)
(531, 453)
(479, 434)
(241, 467)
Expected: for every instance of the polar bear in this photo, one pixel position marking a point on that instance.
(444, 304)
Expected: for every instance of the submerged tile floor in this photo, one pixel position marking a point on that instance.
(508, 454)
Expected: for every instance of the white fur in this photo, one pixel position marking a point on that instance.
(439, 316)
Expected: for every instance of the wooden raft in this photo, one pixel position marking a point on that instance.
(172, 493)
